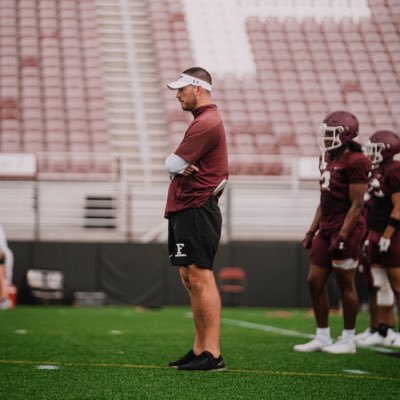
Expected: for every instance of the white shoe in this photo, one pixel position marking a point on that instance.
(5, 304)
(316, 344)
(341, 346)
(396, 342)
(373, 340)
(363, 335)
(391, 338)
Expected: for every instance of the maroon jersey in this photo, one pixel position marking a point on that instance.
(204, 144)
(348, 168)
(385, 182)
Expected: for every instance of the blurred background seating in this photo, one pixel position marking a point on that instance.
(83, 87)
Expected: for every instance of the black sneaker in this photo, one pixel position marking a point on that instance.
(204, 362)
(190, 356)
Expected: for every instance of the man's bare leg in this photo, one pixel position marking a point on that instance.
(347, 287)
(394, 279)
(184, 273)
(3, 284)
(317, 278)
(206, 308)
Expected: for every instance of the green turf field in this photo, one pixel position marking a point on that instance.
(122, 353)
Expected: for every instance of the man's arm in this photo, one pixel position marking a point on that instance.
(315, 223)
(356, 195)
(394, 216)
(393, 225)
(307, 241)
(177, 165)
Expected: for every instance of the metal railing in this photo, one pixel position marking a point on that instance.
(253, 209)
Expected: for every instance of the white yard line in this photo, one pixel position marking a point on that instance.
(285, 332)
(265, 328)
(260, 327)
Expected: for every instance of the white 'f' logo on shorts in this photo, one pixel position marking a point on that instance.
(179, 247)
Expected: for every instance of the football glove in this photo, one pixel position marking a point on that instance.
(363, 256)
(338, 248)
(384, 244)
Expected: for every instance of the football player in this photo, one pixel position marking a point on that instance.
(371, 336)
(384, 233)
(6, 269)
(337, 231)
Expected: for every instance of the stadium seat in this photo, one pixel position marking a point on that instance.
(383, 119)
(305, 66)
(45, 286)
(232, 285)
(266, 143)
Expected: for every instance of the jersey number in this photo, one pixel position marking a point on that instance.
(325, 179)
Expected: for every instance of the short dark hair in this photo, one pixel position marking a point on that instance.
(354, 147)
(199, 73)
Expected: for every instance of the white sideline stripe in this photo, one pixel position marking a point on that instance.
(382, 349)
(284, 332)
(265, 328)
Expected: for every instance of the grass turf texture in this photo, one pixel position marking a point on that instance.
(122, 353)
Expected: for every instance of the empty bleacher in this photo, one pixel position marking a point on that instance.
(83, 83)
(131, 80)
(51, 88)
(83, 86)
(305, 67)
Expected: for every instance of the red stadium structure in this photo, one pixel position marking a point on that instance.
(83, 91)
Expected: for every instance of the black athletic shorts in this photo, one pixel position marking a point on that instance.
(193, 235)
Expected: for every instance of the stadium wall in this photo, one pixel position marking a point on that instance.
(140, 274)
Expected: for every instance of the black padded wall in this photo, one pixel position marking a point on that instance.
(132, 273)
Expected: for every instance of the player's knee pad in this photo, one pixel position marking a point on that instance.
(347, 264)
(384, 295)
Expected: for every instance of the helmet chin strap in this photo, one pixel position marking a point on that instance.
(323, 164)
(334, 153)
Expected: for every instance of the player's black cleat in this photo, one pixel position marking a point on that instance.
(190, 356)
(204, 362)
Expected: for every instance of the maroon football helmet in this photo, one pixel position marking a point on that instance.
(382, 145)
(337, 129)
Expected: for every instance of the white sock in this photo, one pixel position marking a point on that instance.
(324, 333)
(348, 333)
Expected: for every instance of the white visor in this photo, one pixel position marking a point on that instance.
(186, 80)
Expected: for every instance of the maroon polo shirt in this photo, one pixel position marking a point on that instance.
(204, 145)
